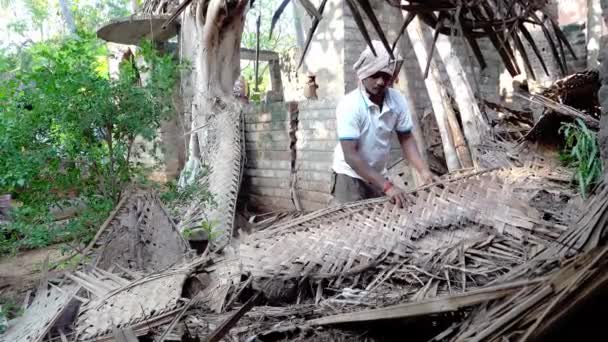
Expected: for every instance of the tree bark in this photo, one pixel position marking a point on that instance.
(473, 123)
(594, 32)
(66, 12)
(216, 115)
(454, 145)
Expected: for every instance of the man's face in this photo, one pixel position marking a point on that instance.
(377, 83)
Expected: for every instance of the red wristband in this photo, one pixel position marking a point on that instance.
(387, 186)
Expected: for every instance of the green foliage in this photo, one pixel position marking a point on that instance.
(205, 230)
(30, 19)
(9, 309)
(281, 41)
(67, 127)
(177, 198)
(581, 151)
(38, 9)
(90, 14)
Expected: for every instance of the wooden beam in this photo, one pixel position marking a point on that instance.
(426, 307)
(265, 55)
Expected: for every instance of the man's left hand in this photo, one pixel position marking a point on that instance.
(428, 177)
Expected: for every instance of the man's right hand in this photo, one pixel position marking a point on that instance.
(398, 196)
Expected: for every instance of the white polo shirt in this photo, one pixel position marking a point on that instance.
(358, 118)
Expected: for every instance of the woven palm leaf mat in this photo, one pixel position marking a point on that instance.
(140, 236)
(337, 241)
(221, 149)
(121, 304)
(147, 302)
(48, 305)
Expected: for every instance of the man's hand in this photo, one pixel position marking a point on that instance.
(428, 177)
(397, 196)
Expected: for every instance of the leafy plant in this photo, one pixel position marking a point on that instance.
(68, 130)
(582, 152)
(176, 198)
(206, 229)
(9, 309)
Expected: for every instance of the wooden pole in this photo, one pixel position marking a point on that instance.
(473, 123)
(456, 153)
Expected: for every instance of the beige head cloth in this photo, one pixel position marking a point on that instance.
(368, 64)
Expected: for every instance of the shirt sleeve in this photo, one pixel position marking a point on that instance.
(404, 120)
(347, 122)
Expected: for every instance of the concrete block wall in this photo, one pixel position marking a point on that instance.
(315, 142)
(268, 173)
(267, 168)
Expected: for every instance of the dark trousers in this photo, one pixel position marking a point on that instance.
(348, 189)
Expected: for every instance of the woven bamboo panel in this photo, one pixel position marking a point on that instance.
(141, 236)
(40, 316)
(224, 155)
(334, 241)
(143, 299)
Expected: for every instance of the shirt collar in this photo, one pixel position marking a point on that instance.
(388, 101)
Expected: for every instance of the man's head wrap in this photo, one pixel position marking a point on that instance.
(368, 64)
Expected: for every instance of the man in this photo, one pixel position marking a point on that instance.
(366, 119)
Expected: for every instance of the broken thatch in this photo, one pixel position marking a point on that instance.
(579, 91)
(572, 98)
(456, 238)
(140, 304)
(141, 236)
(570, 269)
(48, 305)
(337, 245)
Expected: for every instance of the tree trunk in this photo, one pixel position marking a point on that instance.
(454, 146)
(216, 115)
(473, 123)
(594, 32)
(66, 13)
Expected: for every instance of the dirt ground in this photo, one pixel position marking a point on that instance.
(21, 272)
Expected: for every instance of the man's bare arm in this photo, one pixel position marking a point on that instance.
(410, 152)
(354, 160)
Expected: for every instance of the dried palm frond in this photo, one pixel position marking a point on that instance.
(48, 305)
(224, 154)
